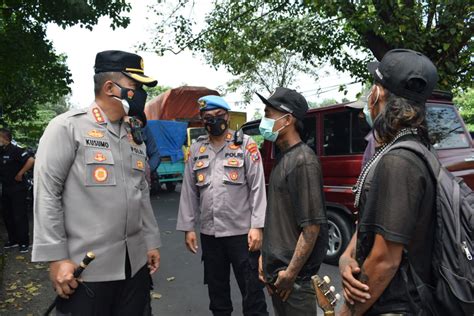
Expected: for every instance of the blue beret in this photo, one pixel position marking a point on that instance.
(212, 102)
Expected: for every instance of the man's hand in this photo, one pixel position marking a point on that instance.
(191, 241)
(153, 260)
(261, 276)
(353, 289)
(255, 239)
(284, 284)
(19, 177)
(61, 274)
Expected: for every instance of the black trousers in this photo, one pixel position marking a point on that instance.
(218, 256)
(126, 297)
(14, 215)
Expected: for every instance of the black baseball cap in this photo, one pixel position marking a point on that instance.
(131, 65)
(288, 101)
(406, 73)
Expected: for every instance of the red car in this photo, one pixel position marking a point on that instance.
(337, 135)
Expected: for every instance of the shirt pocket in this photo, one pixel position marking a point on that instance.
(202, 173)
(100, 169)
(138, 163)
(234, 171)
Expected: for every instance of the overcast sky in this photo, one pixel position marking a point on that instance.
(81, 45)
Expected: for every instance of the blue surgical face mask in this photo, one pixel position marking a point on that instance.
(266, 128)
(366, 109)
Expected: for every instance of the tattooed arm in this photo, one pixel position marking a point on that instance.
(304, 247)
(378, 270)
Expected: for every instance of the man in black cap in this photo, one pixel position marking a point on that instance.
(91, 195)
(395, 195)
(295, 236)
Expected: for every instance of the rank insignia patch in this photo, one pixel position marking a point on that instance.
(201, 177)
(228, 136)
(100, 174)
(97, 115)
(234, 175)
(99, 157)
(95, 134)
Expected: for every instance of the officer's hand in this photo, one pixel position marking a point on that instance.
(153, 260)
(353, 289)
(19, 177)
(61, 274)
(191, 241)
(255, 239)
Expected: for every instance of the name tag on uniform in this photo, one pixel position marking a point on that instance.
(96, 143)
(137, 151)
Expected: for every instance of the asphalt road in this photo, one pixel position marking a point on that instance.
(185, 293)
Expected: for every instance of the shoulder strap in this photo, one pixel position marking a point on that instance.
(422, 152)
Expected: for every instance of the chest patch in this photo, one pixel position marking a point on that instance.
(95, 134)
(96, 143)
(137, 151)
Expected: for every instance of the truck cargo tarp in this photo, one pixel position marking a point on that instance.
(169, 137)
(178, 104)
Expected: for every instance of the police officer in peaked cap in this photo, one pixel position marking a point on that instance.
(91, 195)
(224, 191)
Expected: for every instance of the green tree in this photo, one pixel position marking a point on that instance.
(156, 91)
(279, 69)
(347, 34)
(27, 132)
(31, 72)
(465, 103)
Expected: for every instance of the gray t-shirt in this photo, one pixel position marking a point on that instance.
(295, 200)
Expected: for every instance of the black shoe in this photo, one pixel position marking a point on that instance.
(10, 244)
(23, 248)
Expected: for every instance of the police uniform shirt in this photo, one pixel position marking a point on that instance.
(13, 158)
(223, 188)
(91, 195)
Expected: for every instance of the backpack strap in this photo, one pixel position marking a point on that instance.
(424, 153)
(424, 290)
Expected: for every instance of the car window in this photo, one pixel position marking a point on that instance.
(309, 132)
(254, 132)
(445, 128)
(195, 133)
(344, 133)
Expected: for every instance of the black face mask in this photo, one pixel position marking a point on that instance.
(133, 101)
(216, 126)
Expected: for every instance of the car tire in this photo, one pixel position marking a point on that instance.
(339, 231)
(170, 186)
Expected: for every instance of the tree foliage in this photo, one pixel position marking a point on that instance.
(465, 103)
(28, 131)
(155, 91)
(31, 72)
(239, 34)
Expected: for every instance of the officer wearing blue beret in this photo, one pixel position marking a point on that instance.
(224, 191)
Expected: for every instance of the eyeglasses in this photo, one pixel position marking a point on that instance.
(212, 118)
